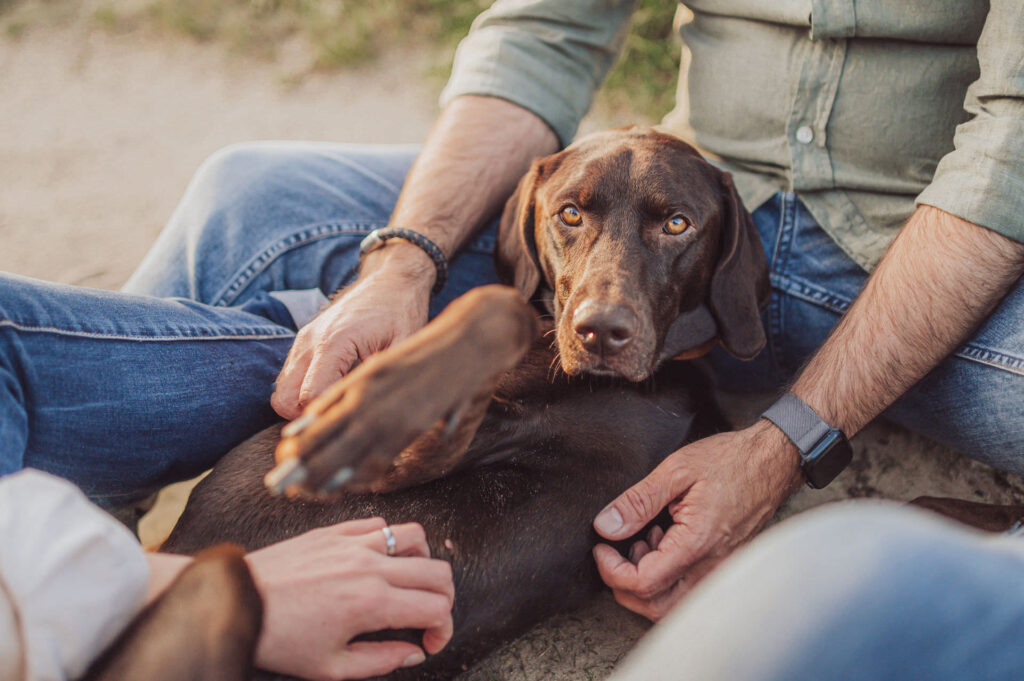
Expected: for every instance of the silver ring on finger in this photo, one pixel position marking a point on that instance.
(389, 540)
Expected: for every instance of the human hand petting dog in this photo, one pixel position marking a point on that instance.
(323, 588)
(386, 304)
(719, 491)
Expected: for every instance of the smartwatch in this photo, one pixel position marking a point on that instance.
(824, 451)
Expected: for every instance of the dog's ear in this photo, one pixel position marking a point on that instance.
(739, 285)
(516, 256)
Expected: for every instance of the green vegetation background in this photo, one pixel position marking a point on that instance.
(341, 34)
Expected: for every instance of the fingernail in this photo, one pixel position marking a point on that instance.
(608, 521)
(288, 473)
(414, 659)
(298, 425)
(339, 479)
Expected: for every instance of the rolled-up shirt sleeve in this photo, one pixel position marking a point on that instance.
(71, 578)
(547, 56)
(982, 180)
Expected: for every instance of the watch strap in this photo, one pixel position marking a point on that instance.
(799, 422)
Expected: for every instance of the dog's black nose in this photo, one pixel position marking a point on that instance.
(603, 328)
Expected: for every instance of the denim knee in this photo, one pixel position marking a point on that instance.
(248, 197)
(855, 591)
(899, 594)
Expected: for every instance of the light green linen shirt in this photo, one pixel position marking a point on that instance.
(862, 107)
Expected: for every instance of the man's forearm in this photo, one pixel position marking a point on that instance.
(937, 283)
(477, 151)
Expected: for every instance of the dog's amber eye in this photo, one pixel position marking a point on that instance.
(676, 224)
(571, 216)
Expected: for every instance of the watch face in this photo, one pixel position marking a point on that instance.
(827, 459)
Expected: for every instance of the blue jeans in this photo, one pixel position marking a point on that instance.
(124, 392)
(859, 591)
(972, 402)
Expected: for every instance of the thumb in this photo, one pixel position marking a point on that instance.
(639, 504)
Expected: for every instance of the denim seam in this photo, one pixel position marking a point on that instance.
(838, 305)
(310, 234)
(779, 258)
(306, 236)
(253, 334)
(811, 294)
(991, 358)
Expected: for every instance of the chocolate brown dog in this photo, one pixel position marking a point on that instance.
(504, 426)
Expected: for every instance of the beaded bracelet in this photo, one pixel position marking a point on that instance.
(377, 237)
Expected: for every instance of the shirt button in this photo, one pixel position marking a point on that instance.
(804, 134)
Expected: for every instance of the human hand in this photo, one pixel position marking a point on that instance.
(324, 587)
(386, 304)
(719, 491)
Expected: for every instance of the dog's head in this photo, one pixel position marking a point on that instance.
(639, 248)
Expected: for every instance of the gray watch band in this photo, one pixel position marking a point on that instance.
(800, 423)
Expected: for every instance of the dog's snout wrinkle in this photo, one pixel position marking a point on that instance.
(604, 329)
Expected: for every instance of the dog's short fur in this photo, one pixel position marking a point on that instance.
(204, 627)
(504, 436)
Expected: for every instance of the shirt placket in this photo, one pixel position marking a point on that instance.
(820, 66)
(807, 127)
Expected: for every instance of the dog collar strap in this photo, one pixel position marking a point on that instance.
(377, 238)
(699, 351)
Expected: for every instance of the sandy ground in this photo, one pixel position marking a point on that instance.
(100, 134)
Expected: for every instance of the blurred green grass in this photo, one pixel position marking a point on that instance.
(340, 34)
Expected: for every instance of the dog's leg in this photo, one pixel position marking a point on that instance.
(406, 415)
(204, 628)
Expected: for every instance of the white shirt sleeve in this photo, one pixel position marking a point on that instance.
(71, 578)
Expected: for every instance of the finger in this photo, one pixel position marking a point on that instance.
(654, 608)
(436, 638)
(654, 536)
(426, 574)
(302, 437)
(615, 569)
(657, 570)
(285, 400)
(365, 658)
(638, 550)
(329, 363)
(400, 608)
(678, 551)
(638, 505)
(354, 528)
(410, 540)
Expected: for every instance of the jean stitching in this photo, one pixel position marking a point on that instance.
(992, 358)
(810, 294)
(308, 235)
(971, 351)
(247, 334)
(780, 257)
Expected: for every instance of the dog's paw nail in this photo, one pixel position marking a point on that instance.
(298, 425)
(451, 422)
(287, 474)
(338, 479)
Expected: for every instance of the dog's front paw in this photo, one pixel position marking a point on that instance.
(406, 414)
(353, 435)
